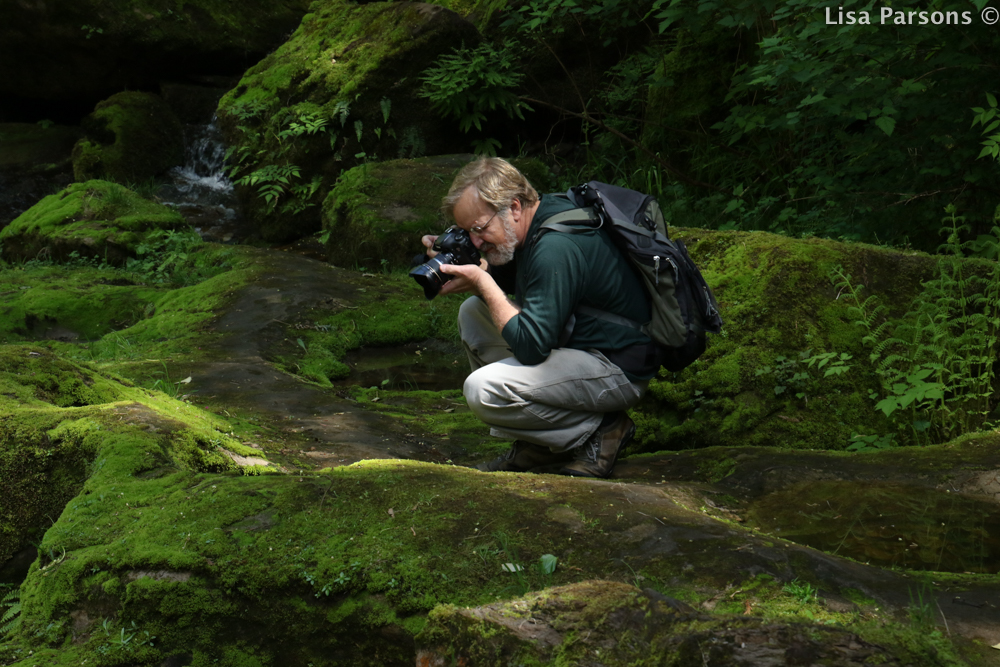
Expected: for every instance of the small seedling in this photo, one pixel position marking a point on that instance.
(801, 590)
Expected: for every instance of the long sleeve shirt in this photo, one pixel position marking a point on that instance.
(556, 273)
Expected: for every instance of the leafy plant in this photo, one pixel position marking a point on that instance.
(990, 122)
(801, 590)
(164, 384)
(468, 83)
(305, 124)
(11, 616)
(794, 373)
(272, 182)
(936, 364)
(164, 256)
(870, 443)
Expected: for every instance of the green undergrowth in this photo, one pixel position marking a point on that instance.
(763, 381)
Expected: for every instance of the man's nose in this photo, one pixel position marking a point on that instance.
(477, 240)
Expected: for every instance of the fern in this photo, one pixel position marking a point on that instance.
(467, 83)
(12, 615)
(936, 363)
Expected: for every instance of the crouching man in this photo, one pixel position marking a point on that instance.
(545, 374)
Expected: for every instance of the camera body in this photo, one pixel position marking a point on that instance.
(454, 246)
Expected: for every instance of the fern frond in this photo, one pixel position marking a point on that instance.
(12, 616)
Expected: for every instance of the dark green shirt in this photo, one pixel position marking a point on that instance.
(559, 272)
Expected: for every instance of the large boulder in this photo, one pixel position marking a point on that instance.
(777, 302)
(68, 51)
(131, 137)
(376, 214)
(92, 219)
(34, 161)
(343, 90)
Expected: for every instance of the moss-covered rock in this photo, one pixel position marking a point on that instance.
(131, 137)
(218, 566)
(93, 219)
(71, 51)
(755, 385)
(48, 407)
(611, 624)
(379, 212)
(34, 161)
(342, 90)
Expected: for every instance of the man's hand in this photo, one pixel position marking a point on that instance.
(468, 278)
(428, 241)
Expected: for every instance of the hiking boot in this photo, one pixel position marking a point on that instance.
(523, 456)
(598, 455)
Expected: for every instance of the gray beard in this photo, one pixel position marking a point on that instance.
(502, 253)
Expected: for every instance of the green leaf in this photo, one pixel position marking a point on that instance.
(887, 405)
(886, 123)
(992, 100)
(548, 563)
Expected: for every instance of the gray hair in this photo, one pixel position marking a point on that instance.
(497, 182)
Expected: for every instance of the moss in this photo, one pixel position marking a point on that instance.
(131, 137)
(93, 219)
(754, 384)
(627, 627)
(49, 301)
(376, 214)
(357, 68)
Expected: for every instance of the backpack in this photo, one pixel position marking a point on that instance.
(683, 306)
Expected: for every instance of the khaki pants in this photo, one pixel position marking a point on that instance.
(558, 403)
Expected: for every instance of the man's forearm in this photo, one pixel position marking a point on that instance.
(501, 308)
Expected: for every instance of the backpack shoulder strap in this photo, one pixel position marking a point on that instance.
(585, 219)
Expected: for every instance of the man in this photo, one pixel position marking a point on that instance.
(555, 380)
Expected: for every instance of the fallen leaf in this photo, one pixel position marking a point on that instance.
(746, 610)
(413, 531)
(186, 380)
(391, 513)
(450, 410)
(510, 567)
(995, 646)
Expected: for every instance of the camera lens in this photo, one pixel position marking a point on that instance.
(429, 277)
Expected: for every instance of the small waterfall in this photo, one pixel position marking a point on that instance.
(199, 189)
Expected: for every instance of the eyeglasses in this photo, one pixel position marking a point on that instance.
(479, 229)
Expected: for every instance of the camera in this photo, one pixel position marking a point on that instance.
(454, 246)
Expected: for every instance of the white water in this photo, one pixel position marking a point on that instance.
(199, 189)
